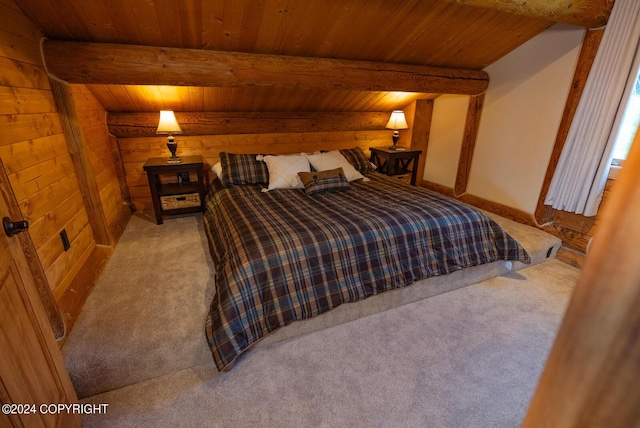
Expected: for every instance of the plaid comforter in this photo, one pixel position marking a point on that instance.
(283, 256)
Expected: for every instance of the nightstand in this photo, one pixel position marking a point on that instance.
(172, 188)
(401, 164)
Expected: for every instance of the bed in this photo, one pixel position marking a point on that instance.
(285, 255)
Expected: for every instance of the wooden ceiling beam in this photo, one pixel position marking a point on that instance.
(585, 13)
(100, 63)
(134, 125)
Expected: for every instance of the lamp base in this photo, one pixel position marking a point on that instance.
(395, 137)
(172, 146)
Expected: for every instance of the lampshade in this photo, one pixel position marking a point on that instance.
(168, 123)
(397, 120)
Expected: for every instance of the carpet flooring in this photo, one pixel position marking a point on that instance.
(467, 358)
(470, 357)
(145, 316)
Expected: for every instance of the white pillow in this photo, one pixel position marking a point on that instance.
(217, 170)
(333, 160)
(284, 169)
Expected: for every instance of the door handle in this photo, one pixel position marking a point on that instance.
(13, 227)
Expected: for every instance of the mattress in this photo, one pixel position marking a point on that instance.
(285, 256)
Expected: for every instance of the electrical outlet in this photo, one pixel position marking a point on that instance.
(65, 239)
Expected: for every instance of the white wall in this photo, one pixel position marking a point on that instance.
(522, 112)
(445, 139)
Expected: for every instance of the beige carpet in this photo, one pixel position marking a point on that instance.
(141, 336)
(467, 358)
(145, 317)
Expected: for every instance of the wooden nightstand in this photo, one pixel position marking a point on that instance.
(397, 163)
(171, 191)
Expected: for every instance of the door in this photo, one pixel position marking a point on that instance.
(32, 372)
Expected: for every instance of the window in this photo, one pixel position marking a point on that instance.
(629, 125)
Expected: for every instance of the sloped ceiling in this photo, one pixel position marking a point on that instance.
(417, 32)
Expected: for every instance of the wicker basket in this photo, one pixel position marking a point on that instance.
(403, 177)
(180, 201)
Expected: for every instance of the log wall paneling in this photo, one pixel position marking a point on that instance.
(472, 124)
(44, 228)
(102, 163)
(91, 63)
(38, 178)
(576, 230)
(17, 128)
(22, 75)
(133, 125)
(59, 272)
(105, 160)
(50, 252)
(590, 378)
(25, 100)
(81, 162)
(590, 44)
(135, 151)
(26, 154)
(33, 150)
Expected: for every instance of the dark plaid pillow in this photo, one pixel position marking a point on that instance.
(358, 159)
(242, 169)
(324, 181)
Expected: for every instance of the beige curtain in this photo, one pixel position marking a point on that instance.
(584, 164)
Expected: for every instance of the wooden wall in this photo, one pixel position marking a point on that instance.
(135, 151)
(576, 230)
(42, 167)
(35, 154)
(104, 157)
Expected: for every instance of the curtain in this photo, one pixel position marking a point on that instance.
(583, 167)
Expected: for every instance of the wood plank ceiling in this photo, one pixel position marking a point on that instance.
(416, 32)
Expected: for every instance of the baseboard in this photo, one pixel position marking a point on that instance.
(484, 204)
(439, 188)
(117, 226)
(571, 257)
(72, 301)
